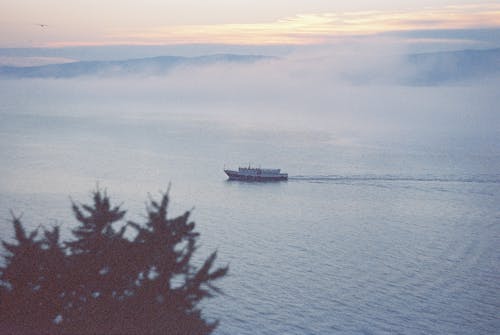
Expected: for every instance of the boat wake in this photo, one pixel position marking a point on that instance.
(482, 179)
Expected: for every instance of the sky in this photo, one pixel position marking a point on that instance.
(56, 23)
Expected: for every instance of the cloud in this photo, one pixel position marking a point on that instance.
(318, 27)
(33, 61)
(352, 91)
(299, 25)
(351, 94)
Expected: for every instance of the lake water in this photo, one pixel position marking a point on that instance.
(381, 236)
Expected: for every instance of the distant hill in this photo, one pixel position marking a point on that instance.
(454, 66)
(425, 69)
(142, 66)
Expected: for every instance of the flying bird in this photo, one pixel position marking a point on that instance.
(42, 25)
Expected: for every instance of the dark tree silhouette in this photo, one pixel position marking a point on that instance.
(103, 282)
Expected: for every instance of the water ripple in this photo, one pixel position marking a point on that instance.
(480, 179)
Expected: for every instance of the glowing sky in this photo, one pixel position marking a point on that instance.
(154, 22)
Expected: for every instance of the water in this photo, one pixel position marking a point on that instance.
(376, 237)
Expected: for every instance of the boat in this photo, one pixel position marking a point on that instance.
(256, 174)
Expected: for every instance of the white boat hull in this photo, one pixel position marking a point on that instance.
(256, 175)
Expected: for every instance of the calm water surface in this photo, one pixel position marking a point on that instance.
(373, 238)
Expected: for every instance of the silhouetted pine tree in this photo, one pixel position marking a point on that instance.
(97, 258)
(103, 283)
(31, 293)
(167, 281)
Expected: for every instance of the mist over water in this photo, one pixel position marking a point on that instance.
(389, 222)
